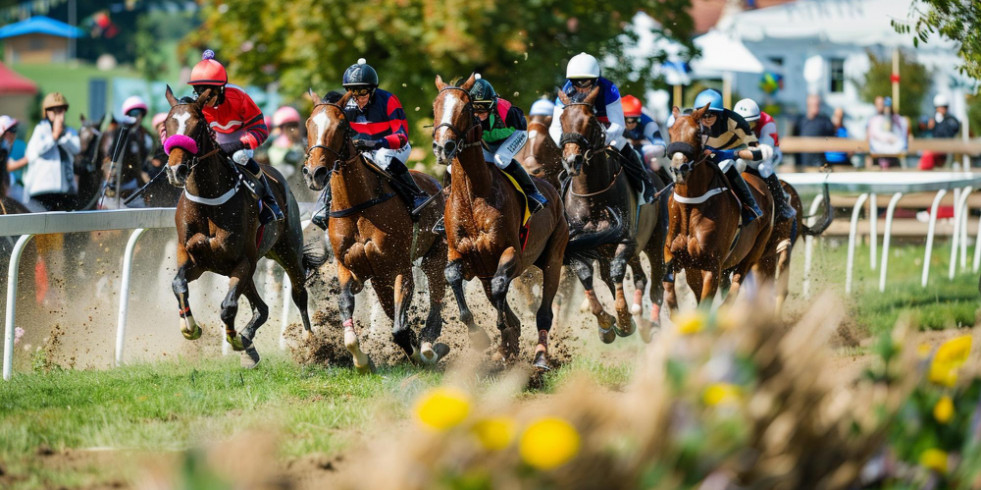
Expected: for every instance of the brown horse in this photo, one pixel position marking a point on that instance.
(774, 265)
(218, 227)
(704, 234)
(540, 156)
(599, 197)
(373, 236)
(122, 153)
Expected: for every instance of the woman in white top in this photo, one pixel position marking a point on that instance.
(50, 179)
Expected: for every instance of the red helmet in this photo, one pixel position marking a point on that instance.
(208, 71)
(631, 106)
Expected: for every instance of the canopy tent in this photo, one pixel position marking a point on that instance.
(12, 83)
(40, 25)
(16, 94)
(722, 53)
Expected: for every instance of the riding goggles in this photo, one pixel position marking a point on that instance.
(583, 82)
(632, 120)
(360, 91)
(482, 106)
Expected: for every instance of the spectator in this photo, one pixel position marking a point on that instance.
(16, 161)
(888, 137)
(838, 157)
(50, 179)
(288, 147)
(815, 125)
(158, 159)
(942, 125)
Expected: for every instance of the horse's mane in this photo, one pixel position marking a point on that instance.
(578, 97)
(187, 99)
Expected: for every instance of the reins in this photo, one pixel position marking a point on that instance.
(461, 135)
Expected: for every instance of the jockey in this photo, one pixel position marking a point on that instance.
(641, 131)
(134, 111)
(382, 130)
(583, 74)
(765, 129)
(729, 135)
(505, 133)
(288, 146)
(238, 124)
(543, 108)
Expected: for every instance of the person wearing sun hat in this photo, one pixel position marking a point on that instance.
(16, 159)
(50, 178)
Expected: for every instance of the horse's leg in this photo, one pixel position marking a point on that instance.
(640, 284)
(454, 276)
(710, 283)
(497, 290)
(613, 273)
(238, 282)
(782, 274)
(298, 288)
(345, 303)
(604, 320)
(551, 276)
(260, 312)
(667, 282)
(434, 264)
(654, 252)
(186, 272)
(694, 278)
(402, 332)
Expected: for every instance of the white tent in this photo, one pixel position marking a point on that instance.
(723, 53)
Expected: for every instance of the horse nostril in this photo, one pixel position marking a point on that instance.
(449, 148)
(304, 170)
(320, 175)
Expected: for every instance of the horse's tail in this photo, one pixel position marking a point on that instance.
(314, 256)
(825, 221)
(583, 247)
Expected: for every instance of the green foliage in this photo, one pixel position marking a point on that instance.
(157, 33)
(521, 48)
(956, 20)
(914, 83)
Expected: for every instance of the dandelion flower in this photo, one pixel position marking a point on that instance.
(494, 433)
(549, 442)
(690, 322)
(442, 408)
(943, 410)
(721, 393)
(934, 459)
(951, 355)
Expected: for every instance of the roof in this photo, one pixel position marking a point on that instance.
(706, 13)
(12, 83)
(39, 25)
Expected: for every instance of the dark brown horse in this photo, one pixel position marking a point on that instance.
(373, 236)
(88, 163)
(218, 226)
(704, 234)
(483, 221)
(123, 153)
(599, 198)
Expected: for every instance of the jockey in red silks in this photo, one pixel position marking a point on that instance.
(238, 125)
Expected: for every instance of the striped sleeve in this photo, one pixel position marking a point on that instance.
(398, 122)
(254, 125)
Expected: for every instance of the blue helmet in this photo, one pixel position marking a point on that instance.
(711, 97)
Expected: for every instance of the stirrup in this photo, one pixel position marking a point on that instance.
(439, 227)
(319, 218)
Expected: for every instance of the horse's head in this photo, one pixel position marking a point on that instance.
(453, 119)
(686, 149)
(186, 129)
(88, 143)
(329, 139)
(581, 131)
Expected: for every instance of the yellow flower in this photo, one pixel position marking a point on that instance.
(443, 408)
(951, 355)
(943, 410)
(548, 443)
(721, 393)
(923, 351)
(494, 433)
(691, 322)
(934, 459)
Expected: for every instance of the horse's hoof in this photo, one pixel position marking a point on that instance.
(541, 362)
(250, 358)
(364, 366)
(584, 306)
(647, 330)
(236, 342)
(430, 354)
(193, 334)
(479, 339)
(626, 332)
(607, 335)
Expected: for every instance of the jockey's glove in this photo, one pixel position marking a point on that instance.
(723, 155)
(127, 121)
(762, 152)
(242, 157)
(368, 144)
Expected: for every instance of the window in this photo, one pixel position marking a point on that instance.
(776, 60)
(836, 79)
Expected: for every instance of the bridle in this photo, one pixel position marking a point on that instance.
(197, 158)
(341, 156)
(588, 147)
(92, 151)
(688, 150)
(457, 133)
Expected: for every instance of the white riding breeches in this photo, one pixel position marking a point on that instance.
(764, 168)
(383, 156)
(505, 152)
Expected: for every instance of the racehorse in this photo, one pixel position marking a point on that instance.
(218, 227)
(540, 156)
(600, 196)
(373, 235)
(122, 163)
(484, 226)
(88, 163)
(705, 236)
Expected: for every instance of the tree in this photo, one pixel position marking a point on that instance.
(956, 20)
(522, 48)
(914, 83)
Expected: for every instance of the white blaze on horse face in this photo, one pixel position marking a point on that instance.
(181, 121)
(449, 109)
(320, 120)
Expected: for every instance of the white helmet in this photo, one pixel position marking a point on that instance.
(940, 100)
(582, 65)
(748, 109)
(134, 102)
(542, 107)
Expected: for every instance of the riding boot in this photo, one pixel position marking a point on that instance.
(536, 199)
(271, 211)
(637, 173)
(751, 210)
(404, 180)
(319, 218)
(783, 208)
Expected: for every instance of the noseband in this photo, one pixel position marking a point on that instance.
(574, 137)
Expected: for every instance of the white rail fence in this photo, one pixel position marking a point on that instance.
(137, 220)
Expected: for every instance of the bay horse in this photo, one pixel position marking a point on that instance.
(88, 162)
(598, 197)
(373, 235)
(704, 234)
(218, 227)
(483, 220)
(540, 156)
(125, 177)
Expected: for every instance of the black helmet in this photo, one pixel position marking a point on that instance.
(482, 93)
(360, 74)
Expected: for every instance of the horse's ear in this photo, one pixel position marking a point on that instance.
(170, 96)
(203, 97)
(344, 98)
(469, 83)
(314, 97)
(593, 94)
(81, 117)
(698, 113)
(101, 119)
(440, 84)
(564, 98)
